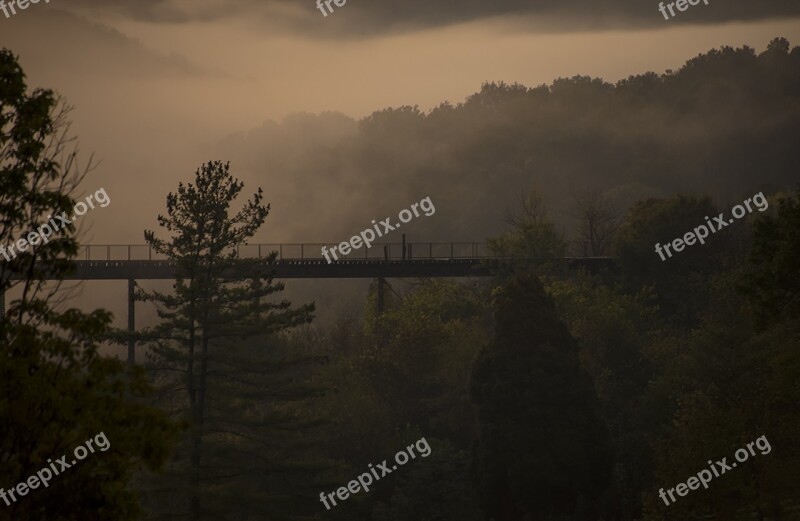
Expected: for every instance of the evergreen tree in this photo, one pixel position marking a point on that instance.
(542, 453)
(211, 352)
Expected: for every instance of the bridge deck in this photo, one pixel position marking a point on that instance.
(292, 269)
(292, 261)
(316, 269)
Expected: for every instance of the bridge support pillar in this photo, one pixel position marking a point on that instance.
(131, 322)
(257, 299)
(381, 283)
(379, 304)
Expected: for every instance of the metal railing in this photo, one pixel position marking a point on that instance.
(313, 251)
(305, 251)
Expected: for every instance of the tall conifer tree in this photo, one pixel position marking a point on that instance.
(542, 453)
(206, 354)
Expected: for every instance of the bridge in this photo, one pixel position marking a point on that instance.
(134, 262)
(304, 260)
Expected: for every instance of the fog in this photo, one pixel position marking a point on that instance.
(157, 92)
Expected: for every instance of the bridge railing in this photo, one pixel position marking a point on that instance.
(311, 251)
(305, 251)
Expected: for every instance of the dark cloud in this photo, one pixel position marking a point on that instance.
(87, 47)
(362, 18)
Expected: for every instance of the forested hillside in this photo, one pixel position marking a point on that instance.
(725, 123)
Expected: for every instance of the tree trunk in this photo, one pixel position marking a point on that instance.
(194, 501)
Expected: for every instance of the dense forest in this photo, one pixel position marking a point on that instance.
(544, 392)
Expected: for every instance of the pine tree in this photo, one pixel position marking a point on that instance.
(213, 352)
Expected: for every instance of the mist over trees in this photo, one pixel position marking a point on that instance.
(723, 125)
(676, 362)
